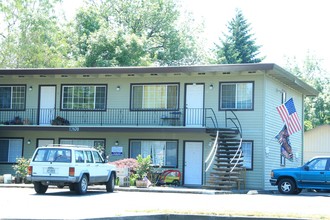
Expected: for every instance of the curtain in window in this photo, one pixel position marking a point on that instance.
(154, 97)
(228, 95)
(163, 153)
(5, 97)
(84, 97)
(10, 150)
(12, 97)
(247, 153)
(244, 95)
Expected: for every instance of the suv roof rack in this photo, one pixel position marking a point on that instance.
(67, 145)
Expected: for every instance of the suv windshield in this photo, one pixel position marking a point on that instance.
(53, 155)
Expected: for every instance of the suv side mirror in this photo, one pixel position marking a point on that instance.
(306, 168)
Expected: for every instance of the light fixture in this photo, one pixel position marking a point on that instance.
(29, 142)
(118, 88)
(30, 88)
(211, 86)
(116, 143)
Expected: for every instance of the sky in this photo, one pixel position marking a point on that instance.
(283, 28)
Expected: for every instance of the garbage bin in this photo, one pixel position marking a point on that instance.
(7, 178)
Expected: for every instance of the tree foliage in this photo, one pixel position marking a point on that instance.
(134, 32)
(30, 35)
(238, 46)
(317, 109)
(103, 33)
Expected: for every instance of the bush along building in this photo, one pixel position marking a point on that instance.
(216, 123)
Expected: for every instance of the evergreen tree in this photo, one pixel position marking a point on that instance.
(239, 45)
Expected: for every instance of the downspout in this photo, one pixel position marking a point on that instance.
(263, 132)
(303, 129)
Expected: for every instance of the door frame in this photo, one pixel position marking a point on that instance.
(39, 99)
(185, 101)
(184, 160)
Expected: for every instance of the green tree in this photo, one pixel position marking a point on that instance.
(238, 46)
(317, 109)
(135, 32)
(31, 35)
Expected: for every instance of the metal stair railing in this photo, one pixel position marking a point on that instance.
(239, 128)
(213, 151)
(239, 157)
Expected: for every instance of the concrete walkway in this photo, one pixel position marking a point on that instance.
(158, 189)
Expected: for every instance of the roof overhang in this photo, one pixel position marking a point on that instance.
(270, 69)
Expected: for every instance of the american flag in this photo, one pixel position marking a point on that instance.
(289, 116)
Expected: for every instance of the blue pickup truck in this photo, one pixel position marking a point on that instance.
(315, 174)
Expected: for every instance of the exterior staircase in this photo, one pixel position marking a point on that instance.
(225, 159)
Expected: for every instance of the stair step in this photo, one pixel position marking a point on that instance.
(224, 161)
(226, 151)
(223, 169)
(222, 182)
(221, 135)
(229, 156)
(227, 147)
(222, 130)
(222, 173)
(218, 187)
(229, 141)
(229, 165)
(219, 178)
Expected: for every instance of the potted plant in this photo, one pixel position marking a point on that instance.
(21, 169)
(142, 170)
(60, 121)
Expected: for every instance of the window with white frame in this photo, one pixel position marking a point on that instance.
(87, 142)
(163, 153)
(247, 148)
(10, 150)
(12, 97)
(236, 95)
(155, 96)
(84, 97)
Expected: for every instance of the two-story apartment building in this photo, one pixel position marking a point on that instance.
(166, 112)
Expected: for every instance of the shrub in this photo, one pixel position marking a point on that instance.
(21, 168)
(127, 162)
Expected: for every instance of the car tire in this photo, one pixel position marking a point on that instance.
(82, 186)
(297, 191)
(110, 185)
(286, 186)
(40, 188)
(72, 187)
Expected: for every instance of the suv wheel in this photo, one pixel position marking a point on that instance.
(72, 187)
(110, 185)
(82, 185)
(40, 188)
(286, 186)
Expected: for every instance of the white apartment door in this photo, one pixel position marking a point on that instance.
(46, 104)
(194, 112)
(193, 163)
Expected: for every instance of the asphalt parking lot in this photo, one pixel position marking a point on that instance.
(159, 203)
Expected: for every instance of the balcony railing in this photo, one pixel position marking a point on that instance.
(201, 117)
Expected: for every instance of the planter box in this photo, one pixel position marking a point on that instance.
(141, 183)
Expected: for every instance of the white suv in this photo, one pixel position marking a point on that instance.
(70, 165)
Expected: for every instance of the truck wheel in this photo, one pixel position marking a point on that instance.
(110, 185)
(40, 188)
(72, 187)
(82, 185)
(286, 186)
(176, 182)
(297, 191)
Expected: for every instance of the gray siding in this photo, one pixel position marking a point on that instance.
(273, 124)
